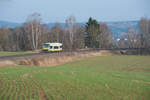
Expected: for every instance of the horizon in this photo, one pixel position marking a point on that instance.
(57, 11)
(76, 22)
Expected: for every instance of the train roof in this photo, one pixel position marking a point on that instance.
(54, 44)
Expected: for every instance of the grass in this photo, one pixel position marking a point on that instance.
(13, 53)
(96, 78)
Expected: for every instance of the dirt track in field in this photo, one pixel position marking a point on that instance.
(50, 59)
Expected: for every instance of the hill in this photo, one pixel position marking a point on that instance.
(9, 24)
(118, 28)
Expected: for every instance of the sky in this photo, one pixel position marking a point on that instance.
(60, 10)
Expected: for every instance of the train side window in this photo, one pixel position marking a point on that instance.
(61, 46)
(55, 47)
(51, 47)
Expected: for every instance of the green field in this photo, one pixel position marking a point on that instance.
(96, 78)
(13, 53)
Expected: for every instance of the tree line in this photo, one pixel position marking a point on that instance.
(139, 38)
(93, 34)
(33, 34)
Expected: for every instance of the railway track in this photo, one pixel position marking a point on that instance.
(40, 55)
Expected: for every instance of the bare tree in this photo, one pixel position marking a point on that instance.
(105, 37)
(145, 32)
(33, 29)
(132, 39)
(70, 22)
(4, 38)
(79, 41)
(56, 33)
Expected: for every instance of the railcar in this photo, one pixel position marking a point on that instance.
(52, 47)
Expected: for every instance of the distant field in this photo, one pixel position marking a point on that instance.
(13, 53)
(96, 78)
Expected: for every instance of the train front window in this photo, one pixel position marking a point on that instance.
(46, 45)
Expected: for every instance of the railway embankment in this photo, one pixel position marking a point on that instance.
(51, 59)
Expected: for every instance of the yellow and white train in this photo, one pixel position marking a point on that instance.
(52, 47)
